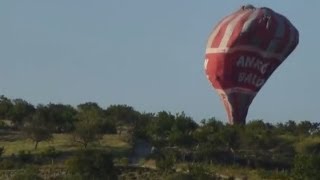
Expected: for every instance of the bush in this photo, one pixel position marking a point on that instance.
(183, 176)
(306, 167)
(165, 162)
(199, 171)
(49, 153)
(280, 175)
(3, 125)
(29, 173)
(25, 156)
(7, 164)
(124, 161)
(92, 164)
(76, 176)
(1, 151)
(179, 176)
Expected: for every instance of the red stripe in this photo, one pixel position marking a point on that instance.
(237, 30)
(216, 41)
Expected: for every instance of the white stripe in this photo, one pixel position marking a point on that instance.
(262, 53)
(230, 29)
(237, 90)
(225, 100)
(217, 29)
(250, 20)
(205, 63)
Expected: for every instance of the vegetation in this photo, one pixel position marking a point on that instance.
(90, 142)
(92, 164)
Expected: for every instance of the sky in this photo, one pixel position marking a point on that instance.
(147, 54)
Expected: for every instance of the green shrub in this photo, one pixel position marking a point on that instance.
(3, 125)
(1, 151)
(179, 176)
(7, 164)
(29, 173)
(280, 175)
(24, 156)
(183, 176)
(50, 153)
(306, 167)
(165, 162)
(124, 161)
(92, 164)
(199, 171)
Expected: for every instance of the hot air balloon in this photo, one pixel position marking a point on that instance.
(242, 52)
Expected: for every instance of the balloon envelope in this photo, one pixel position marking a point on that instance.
(242, 52)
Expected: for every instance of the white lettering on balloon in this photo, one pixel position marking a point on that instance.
(252, 63)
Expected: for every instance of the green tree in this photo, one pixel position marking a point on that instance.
(181, 131)
(20, 110)
(5, 106)
(62, 117)
(37, 128)
(107, 124)
(122, 114)
(142, 125)
(88, 125)
(160, 128)
(304, 128)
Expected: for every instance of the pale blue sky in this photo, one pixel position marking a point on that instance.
(145, 53)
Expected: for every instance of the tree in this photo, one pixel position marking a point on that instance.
(184, 123)
(20, 110)
(122, 114)
(88, 125)
(5, 106)
(37, 128)
(62, 117)
(142, 125)
(181, 131)
(305, 128)
(160, 128)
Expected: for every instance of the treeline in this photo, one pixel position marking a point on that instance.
(175, 137)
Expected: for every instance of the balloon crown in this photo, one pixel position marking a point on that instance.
(248, 6)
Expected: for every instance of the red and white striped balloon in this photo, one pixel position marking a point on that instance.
(242, 52)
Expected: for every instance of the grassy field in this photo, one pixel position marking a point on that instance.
(13, 142)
